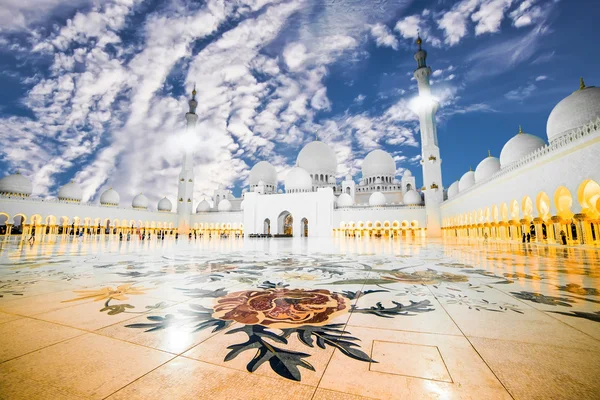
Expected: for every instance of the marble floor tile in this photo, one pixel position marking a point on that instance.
(177, 337)
(4, 317)
(412, 360)
(90, 365)
(215, 349)
(467, 370)
(183, 378)
(429, 317)
(300, 318)
(324, 394)
(25, 335)
(14, 387)
(535, 371)
(93, 315)
(40, 304)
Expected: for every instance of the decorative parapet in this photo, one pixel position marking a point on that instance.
(386, 207)
(556, 145)
(57, 201)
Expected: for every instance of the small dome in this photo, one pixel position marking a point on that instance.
(317, 157)
(486, 168)
(453, 190)
(263, 171)
(70, 192)
(466, 181)
(344, 200)
(298, 180)
(578, 109)
(377, 199)
(407, 173)
(280, 191)
(224, 205)
(378, 163)
(203, 206)
(140, 201)
(16, 185)
(165, 205)
(412, 198)
(518, 147)
(242, 205)
(110, 197)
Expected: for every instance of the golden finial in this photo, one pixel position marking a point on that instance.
(194, 91)
(419, 41)
(520, 130)
(470, 168)
(489, 153)
(581, 84)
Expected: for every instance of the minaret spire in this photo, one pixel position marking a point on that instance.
(185, 191)
(426, 108)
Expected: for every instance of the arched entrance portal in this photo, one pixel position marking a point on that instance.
(267, 227)
(304, 227)
(284, 223)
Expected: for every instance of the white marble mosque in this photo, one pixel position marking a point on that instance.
(547, 190)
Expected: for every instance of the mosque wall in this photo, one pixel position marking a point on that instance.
(315, 207)
(217, 217)
(54, 212)
(409, 214)
(542, 175)
(394, 197)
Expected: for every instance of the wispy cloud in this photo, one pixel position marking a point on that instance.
(383, 36)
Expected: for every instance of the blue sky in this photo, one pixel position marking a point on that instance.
(96, 91)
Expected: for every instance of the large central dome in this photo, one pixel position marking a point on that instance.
(317, 157)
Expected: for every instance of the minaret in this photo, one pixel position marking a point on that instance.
(185, 191)
(426, 108)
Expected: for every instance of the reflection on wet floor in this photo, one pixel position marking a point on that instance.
(299, 318)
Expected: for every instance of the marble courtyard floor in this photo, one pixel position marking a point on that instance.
(298, 319)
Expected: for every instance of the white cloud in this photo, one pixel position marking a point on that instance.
(383, 36)
(413, 25)
(529, 13)
(16, 15)
(454, 22)
(498, 58)
(521, 92)
(541, 78)
(360, 99)
(490, 15)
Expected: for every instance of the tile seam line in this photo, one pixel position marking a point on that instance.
(473, 347)
(549, 314)
(203, 362)
(344, 330)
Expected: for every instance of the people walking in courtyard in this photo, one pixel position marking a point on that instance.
(528, 238)
(563, 237)
(128, 236)
(524, 237)
(32, 237)
(485, 237)
(121, 236)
